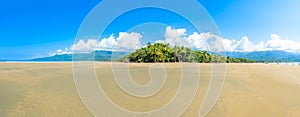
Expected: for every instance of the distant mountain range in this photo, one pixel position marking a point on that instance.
(96, 55)
(270, 56)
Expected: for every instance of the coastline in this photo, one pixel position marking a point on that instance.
(271, 63)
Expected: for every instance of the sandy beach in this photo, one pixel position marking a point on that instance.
(250, 90)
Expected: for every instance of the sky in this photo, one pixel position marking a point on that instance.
(37, 28)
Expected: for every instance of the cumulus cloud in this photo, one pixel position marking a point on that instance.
(199, 41)
(261, 46)
(175, 37)
(203, 41)
(277, 43)
(60, 52)
(244, 45)
(125, 41)
(274, 43)
(208, 41)
(229, 45)
(174, 33)
(128, 41)
(211, 42)
(82, 46)
(179, 37)
(63, 51)
(107, 43)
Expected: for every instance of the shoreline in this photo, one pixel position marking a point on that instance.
(36, 62)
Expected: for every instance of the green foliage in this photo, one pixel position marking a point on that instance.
(153, 53)
(159, 52)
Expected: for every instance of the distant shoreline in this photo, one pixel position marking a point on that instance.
(270, 63)
(36, 61)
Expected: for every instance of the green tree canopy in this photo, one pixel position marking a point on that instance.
(160, 52)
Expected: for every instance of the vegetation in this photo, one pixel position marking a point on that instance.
(267, 56)
(96, 55)
(159, 52)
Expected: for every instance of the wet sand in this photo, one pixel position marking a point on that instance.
(48, 89)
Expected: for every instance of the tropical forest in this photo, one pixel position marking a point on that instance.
(161, 53)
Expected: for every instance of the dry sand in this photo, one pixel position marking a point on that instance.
(47, 89)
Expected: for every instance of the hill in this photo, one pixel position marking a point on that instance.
(99, 56)
(259, 56)
(270, 56)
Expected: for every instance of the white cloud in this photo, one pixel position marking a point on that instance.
(175, 37)
(60, 52)
(107, 43)
(244, 45)
(63, 51)
(211, 42)
(82, 46)
(174, 33)
(277, 43)
(261, 46)
(199, 40)
(128, 41)
(229, 45)
(125, 41)
(202, 41)
(274, 43)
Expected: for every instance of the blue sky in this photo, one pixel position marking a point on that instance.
(34, 28)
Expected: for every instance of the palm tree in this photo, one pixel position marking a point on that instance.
(159, 52)
(176, 53)
(228, 59)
